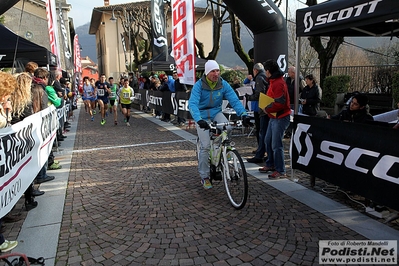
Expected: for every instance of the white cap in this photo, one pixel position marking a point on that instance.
(210, 65)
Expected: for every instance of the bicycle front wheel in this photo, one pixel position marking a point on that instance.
(235, 179)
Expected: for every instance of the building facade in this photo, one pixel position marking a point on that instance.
(28, 19)
(111, 57)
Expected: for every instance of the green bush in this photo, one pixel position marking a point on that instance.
(229, 76)
(395, 87)
(332, 86)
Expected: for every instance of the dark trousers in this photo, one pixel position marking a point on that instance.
(257, 126)
(264, 122)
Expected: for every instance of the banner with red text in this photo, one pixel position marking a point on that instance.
(183, 39)
(159, 35)
(53, 30)
(24, 149)
(76, 54)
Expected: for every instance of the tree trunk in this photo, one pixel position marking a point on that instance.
(326, 55)
(238, 48)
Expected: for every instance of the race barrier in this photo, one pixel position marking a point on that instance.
(24, 149)
(175, 103)
(361, 158)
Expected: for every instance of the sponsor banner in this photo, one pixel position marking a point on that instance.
(159, 34)
(53, 30)
(24, 149)
(318, 19)
(357, 157)
(76, 52)
(358, 252)
(64, 36)
(169, 102)
(183, 39)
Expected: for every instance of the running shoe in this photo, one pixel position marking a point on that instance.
(116, 123)
(102, 122)
(266, 169)
(106, 113)
(277, 175)
(128, 124)
(206, 183)
(125, 120)
(8, 245)
(94, 112)
(92, 118)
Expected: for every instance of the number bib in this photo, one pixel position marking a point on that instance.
(100, 92)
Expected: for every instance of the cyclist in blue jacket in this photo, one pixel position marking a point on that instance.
(205, 105)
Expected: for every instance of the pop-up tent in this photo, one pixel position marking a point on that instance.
(353, 156)
(160, 63)
(6, 5)
(349, 18)
(355, 18)
(25, 51)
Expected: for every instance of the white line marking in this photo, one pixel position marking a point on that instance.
(128, 146)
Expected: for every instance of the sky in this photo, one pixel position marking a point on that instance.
(82, 9)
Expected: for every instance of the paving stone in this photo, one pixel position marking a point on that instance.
(134, 198)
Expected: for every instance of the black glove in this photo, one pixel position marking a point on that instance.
(246, 121)
(203, 124)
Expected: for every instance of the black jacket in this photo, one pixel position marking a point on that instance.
(261, 86)
(313, 98)
(358, 116)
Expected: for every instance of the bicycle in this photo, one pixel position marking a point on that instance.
(227, 165)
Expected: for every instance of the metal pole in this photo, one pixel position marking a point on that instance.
(130, 43)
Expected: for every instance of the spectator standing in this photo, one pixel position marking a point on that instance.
(179, 87)
(261, 118)
(310, 96)
(30, 68)
(7, 87)
(279, 113)
(40, 100)
(291, 85)
(165, 87)
(205, 105)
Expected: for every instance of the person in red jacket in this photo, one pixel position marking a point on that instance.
(279, 113)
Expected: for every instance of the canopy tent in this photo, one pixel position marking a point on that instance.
(349, 18)
(159, 63)
(346, 18)
(25, 51)
(356, 18)
(6, 5)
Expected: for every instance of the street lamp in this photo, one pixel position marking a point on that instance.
(115, 19)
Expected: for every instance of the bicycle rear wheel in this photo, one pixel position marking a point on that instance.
(235, 179)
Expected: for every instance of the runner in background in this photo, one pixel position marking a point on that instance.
(126, 96)
(113, 99)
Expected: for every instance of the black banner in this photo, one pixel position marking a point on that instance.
(64, 36)
(175, 103)
(361, 158)
(159, 35)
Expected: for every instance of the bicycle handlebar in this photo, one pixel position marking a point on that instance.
(214, 125)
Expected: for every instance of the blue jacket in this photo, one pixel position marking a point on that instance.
(171, 84)
(205, 103)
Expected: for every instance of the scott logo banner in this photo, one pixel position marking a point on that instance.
(159, 35)
(361, 158)
(318, 19)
